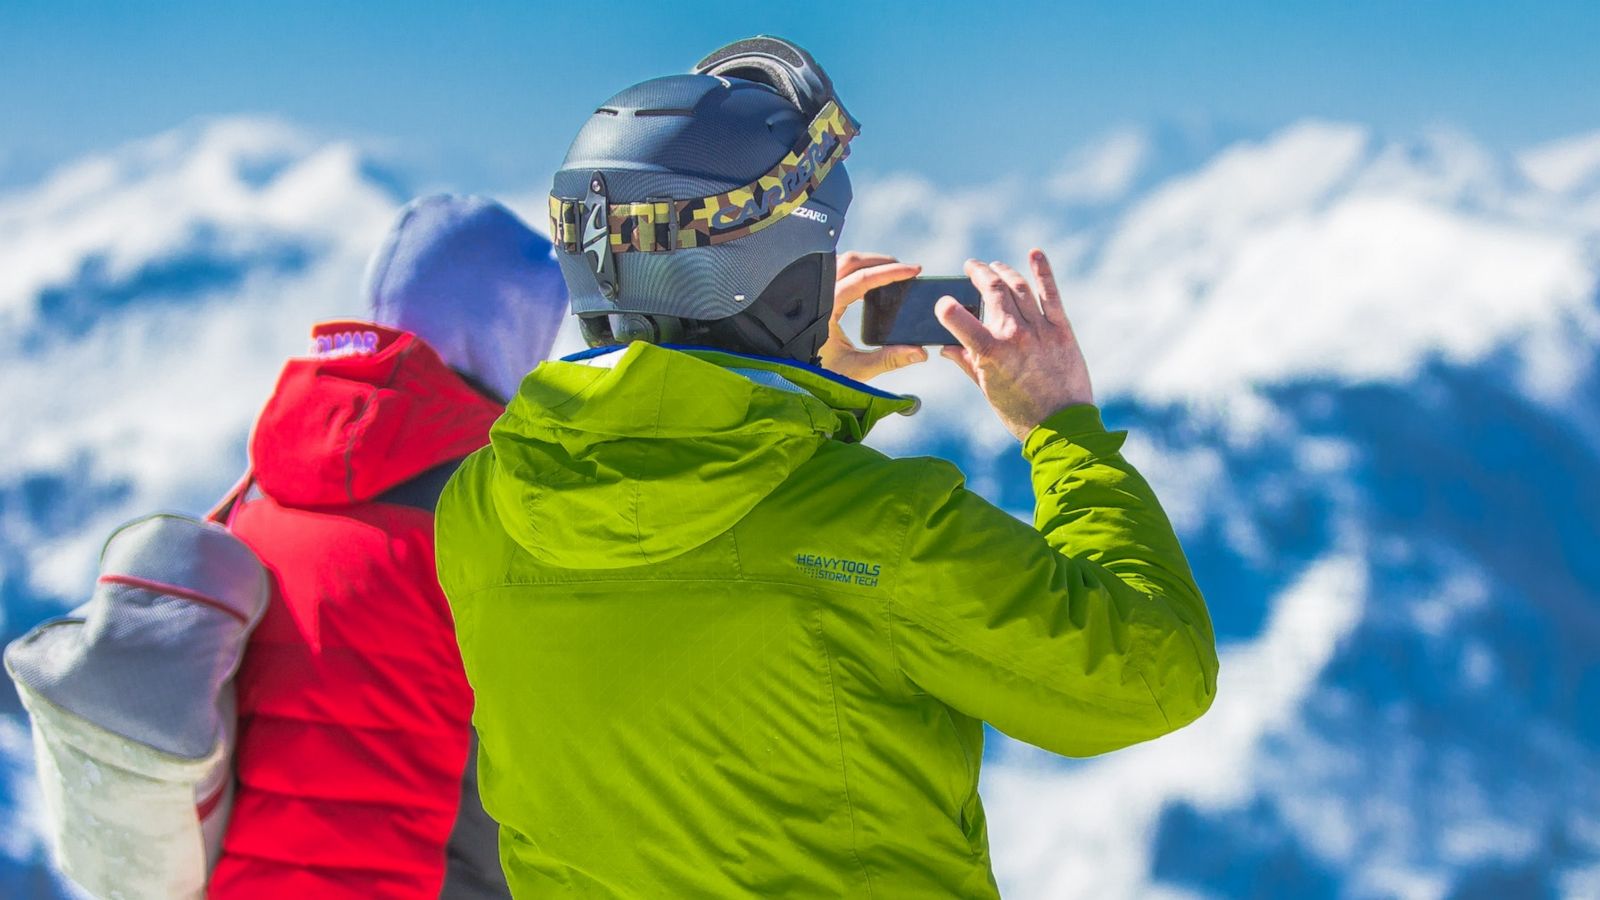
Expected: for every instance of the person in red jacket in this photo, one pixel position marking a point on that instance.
(353, 760)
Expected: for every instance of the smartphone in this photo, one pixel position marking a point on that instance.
(902, 313)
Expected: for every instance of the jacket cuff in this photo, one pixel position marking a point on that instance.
(1071, 424)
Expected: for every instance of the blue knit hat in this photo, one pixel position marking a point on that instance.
(473, 281)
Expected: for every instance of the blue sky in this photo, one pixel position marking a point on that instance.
(493, 91)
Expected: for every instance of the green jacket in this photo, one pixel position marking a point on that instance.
(722, 649)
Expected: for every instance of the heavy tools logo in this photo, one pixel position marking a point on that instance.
(842, 570)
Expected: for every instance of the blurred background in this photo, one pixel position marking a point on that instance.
(1336, 267)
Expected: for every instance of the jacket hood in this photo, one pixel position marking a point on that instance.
(475, 282)
(623, 457)
(373, 409)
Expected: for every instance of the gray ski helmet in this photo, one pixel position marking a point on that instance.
(706, 207)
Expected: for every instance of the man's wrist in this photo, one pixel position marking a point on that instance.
(1080, 420)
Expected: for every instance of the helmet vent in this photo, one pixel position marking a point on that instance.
(606, 111)
(663, 112)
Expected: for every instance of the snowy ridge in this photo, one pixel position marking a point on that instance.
(1347, 363)
(1565, 166)
(149, 296)
(1317, 252)
(230, 188)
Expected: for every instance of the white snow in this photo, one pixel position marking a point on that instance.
(146, 201)
(1086, 832)
(1314, 254)
(159, 395)
(1101, 171)
(1321, 252)
(18, 839)
(1564, 165)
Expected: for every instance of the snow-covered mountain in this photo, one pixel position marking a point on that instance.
(1362, 375)
(1361, 372)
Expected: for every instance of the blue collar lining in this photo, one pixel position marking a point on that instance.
(834, 377)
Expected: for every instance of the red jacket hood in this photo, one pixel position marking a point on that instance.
(373, 409)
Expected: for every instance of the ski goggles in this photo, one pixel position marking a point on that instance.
(657, 226)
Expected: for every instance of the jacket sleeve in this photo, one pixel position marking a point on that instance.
(1081, 635)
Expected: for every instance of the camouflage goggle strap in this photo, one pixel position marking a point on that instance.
(658, 226)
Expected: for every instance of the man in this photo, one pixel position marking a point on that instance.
(354, 710)
(719, 647)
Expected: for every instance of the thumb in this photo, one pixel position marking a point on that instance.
(887, 359)
(898, 357)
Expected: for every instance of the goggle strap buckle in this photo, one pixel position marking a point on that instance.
(597, 236)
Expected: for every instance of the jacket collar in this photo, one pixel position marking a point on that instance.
(859, 406)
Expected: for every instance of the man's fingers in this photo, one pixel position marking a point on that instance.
(999, 306)
(961, 358)
(1049, 294)
(852, 260)
(964, 325)
(854, 286)
(1027, 306)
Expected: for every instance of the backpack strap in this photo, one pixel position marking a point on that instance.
(421, 492)
(222, 513)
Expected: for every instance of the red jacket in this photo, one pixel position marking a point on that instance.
(353, 707)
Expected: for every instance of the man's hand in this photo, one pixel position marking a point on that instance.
(1023, 355)
(859, 273)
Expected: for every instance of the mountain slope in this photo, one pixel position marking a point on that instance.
(1361, 374)
(1359, 371)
